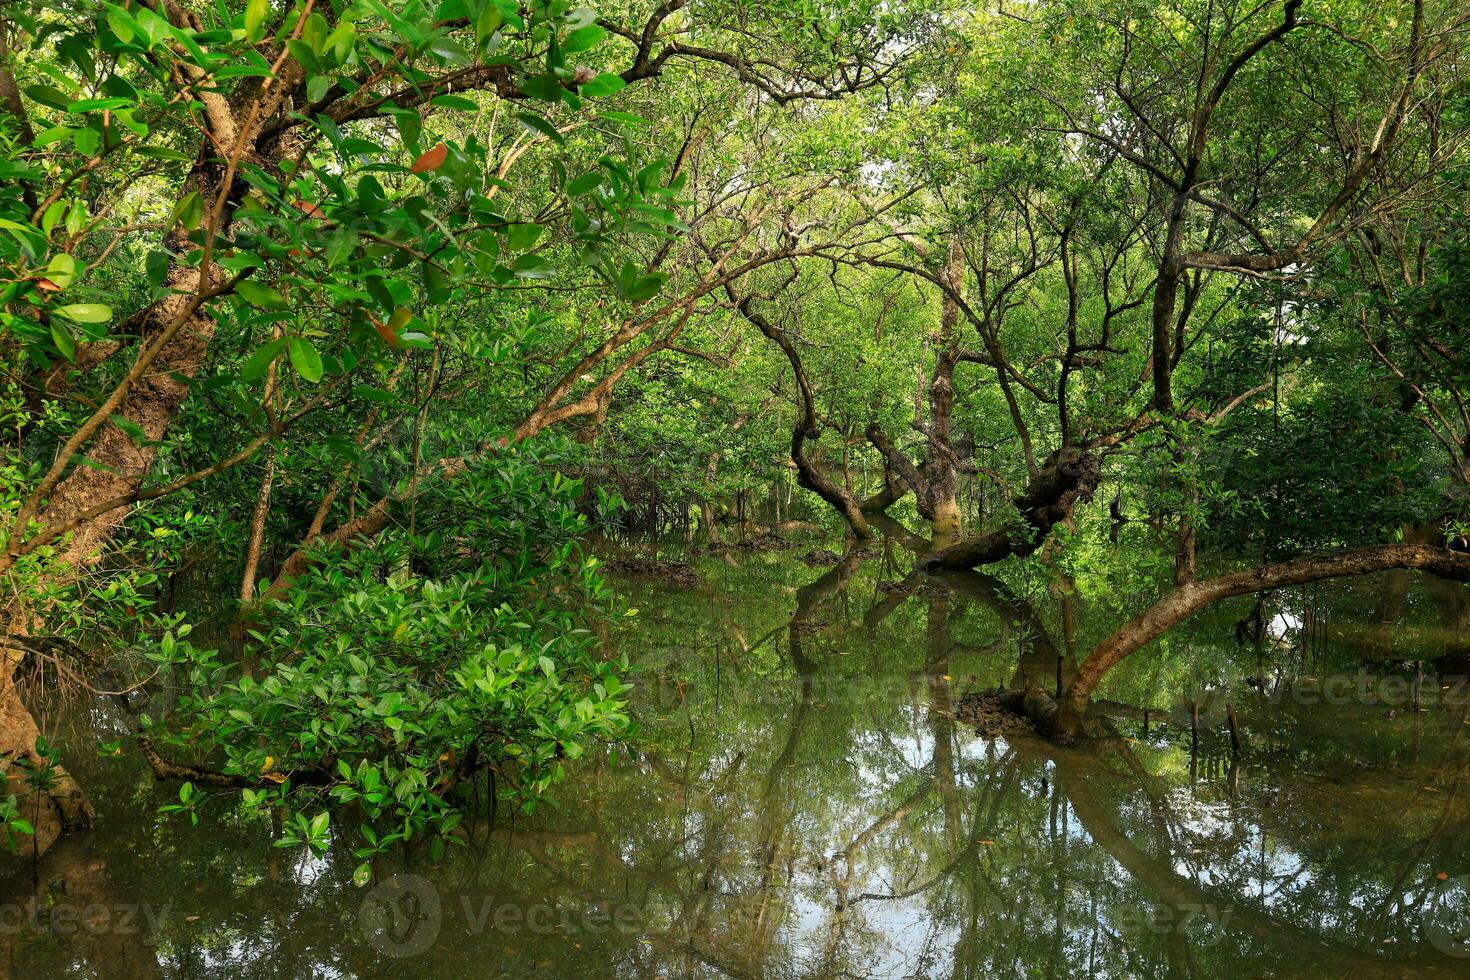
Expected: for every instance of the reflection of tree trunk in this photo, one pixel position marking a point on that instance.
(1076, 773)
(1039, 661)
(61, 807)
(776, 817)
(71, 878)
(941, 715)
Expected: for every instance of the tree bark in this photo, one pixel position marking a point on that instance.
(808, 475)
(1066, 478)
(1186, 600)
(938, 450)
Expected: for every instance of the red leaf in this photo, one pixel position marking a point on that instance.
(311, 210)
(389, 335)
(431, 160)
(47, 285)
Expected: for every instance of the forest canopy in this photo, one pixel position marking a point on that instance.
(333, 331)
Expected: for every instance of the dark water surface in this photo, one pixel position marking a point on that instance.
(803, 802)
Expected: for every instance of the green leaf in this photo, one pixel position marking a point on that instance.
(256, 294)
(602, 86)
(120, 22)
(626, 117)
(93, 105)
(314, 33)
(544, 87)
(646, 287)
(189, 212)
(86, 312)
(522, 236)
(255, 14)
(156, 265)
(131, 429)
(86, 140)
(449, 51)
(487, 23)
(62, 269)
(584, 39)
(256, 364)
(49, 96)
(377, 395)
(306, 360)
(65, 342)
(162, 153)
(584, 183)
(539, 124)
(318, 86)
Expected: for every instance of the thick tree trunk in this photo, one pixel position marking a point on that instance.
(939, 455)
(897, 464)
(1064, 480)
(122, 465)
(61, 806)
(933, 478)
(808, 475)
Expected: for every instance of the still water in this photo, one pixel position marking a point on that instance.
(804, 799)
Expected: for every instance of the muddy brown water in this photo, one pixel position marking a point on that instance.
(801, 801)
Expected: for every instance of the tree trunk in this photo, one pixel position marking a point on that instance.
(1065, 479)
(939, 455)
(1187, 600)
(808, 475)
(150, 403)
(62, 806)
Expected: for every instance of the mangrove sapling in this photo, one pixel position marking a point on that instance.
(397, 675)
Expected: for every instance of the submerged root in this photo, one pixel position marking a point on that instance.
(676, 573)
(998, 711)
(990, 713)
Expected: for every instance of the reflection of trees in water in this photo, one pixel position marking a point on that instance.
(991, 859)
(769, 825)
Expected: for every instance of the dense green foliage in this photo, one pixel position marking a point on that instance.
(346, 322)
